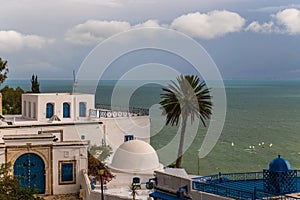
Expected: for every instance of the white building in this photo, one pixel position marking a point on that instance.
(47, 145)
(66, 106)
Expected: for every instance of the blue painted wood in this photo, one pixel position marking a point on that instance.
(67, 172)
(82, 109)
(49, 110)
(66, 110)
(30, 169)
(128, 138)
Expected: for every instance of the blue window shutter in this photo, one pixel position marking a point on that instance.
(82, 109)
(66, 110)
(67, 172)
(49, 110)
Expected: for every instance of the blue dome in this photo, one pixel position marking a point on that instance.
(279, 165)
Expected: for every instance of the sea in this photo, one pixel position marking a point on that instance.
(262, 122)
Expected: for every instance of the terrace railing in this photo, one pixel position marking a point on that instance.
(234, 193)
(211, 184)
(130, 109)
(231, 176)
(222, 191)
(105, 111)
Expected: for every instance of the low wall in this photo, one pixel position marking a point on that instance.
(166, 182)
(88, 194)
(171, 183)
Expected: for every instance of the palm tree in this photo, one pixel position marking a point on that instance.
(3, 70)
(188, 98)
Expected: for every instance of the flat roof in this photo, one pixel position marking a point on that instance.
(53, 93)
(19, 122)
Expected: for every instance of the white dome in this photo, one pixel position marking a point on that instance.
(135, 156)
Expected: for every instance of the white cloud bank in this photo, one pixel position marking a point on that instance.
(285, 21)
(206, 26)
(94, 31)
(209, 25)
(290, 18)
(267, 27)
(11, 41)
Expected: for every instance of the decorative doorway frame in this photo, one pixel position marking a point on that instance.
(12, 153)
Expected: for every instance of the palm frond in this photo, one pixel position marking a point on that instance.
(188, 96)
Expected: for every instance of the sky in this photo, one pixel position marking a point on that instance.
(247, 39)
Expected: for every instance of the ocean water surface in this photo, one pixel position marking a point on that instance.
(262, 121)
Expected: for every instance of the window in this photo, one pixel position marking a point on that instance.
(67, 173)
(82, 109)
(66, 110)
(34, 110)
(128, 137)
(49, 110)
(29, 109)
(24, 105)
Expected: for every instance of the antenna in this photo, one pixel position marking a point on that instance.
(74, 81)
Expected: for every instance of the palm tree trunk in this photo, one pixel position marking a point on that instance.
(181, 142)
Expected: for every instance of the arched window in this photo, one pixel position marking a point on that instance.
(82, 109)
(66, 110)
(49, 110)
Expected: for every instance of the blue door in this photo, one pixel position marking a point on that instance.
(49, 110)
(30, 169)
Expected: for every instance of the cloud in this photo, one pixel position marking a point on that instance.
(290, 18)
(11, 41)
(285, 21)
(93, 31)
(210, 25)
(267, 27)
(149, 23)
(207, 26)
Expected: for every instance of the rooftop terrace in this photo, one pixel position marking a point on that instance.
(240, 186)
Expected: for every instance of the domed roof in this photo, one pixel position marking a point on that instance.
(135, 156)
(279, 165)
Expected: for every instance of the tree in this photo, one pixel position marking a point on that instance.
(101, 152)
(94, 165)
(12, 100)
(35, 86)
(3, 70)
(188, 98)
(10, 188)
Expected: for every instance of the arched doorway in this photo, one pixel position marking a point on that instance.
(30, 169)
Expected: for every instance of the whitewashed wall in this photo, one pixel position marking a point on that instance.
(57, 99)
(68, 153)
